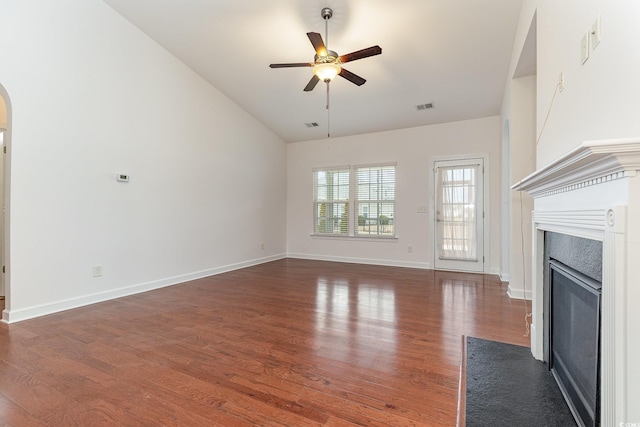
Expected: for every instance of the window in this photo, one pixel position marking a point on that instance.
(331, 201)
(373, 212)
(375, 200)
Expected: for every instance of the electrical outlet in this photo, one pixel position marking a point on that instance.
(410, 249)
(262, 246)
(96, 270)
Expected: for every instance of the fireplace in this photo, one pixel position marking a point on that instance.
(593, 192)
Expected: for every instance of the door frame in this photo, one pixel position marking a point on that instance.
(6, 206)
(486, 245)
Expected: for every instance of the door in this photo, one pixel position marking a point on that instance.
(459, 215)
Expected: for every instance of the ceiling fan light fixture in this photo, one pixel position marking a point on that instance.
(327, 63)
(327, 71)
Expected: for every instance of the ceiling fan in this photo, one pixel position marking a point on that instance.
(326, 63)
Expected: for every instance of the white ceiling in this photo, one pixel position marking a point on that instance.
(454, 53)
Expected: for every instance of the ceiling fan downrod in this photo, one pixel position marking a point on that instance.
(326, 14)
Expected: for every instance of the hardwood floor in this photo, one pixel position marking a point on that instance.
(288, 343)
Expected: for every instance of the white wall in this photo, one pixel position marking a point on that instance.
(414, 150)
(522, 162)
(505, 202)
(92, 96)
(600, 99)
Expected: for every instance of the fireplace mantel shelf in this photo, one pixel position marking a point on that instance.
(592, 162)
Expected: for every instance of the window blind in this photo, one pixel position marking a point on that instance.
(375, 200)
(331, 201)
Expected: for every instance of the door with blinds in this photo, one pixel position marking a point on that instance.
(459, 215)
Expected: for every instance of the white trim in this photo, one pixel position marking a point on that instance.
(369, 261)
(494, 271)
(591, 163)
(587, 223)
(323, 168)
(354, 193)
(374, 238)
(486, 202)
(519, 293)
(374, 165)
(12, 316)
(353, 216)
(609, 226)
(594, 215)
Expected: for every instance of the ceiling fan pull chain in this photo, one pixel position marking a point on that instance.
(327, 95)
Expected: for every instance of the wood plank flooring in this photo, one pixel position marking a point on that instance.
(287, 343)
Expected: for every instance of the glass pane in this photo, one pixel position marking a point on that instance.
(457, 212)
(331, 204)
(376, 201)
(332, 218)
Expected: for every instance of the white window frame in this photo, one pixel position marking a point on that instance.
(377, 227)
(337, 226)
(352, 206)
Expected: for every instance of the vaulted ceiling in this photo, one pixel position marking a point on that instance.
(452, 53)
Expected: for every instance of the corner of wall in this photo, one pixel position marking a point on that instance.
(518, 293)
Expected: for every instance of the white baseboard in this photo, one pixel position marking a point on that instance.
(495, 271)
(504, 277)
(389, 263)
(12, 316)
(518, 293)
(536, 351)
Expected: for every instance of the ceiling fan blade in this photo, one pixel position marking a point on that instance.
(312, 83)
(318, 44)
(359, 54)
(293, 64)
(353, 78)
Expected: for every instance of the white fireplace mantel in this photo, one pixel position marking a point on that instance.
(593, 191)
(592, 162)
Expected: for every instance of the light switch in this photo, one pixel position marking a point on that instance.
(584, 48)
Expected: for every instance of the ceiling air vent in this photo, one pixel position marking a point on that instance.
(427, 106)
(311, 125)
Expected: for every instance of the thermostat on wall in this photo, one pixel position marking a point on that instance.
(122, 177)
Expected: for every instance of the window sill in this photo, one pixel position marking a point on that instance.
(390, 239)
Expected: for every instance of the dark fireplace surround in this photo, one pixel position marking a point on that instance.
(572, 301)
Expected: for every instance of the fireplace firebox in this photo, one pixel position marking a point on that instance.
(574, 341)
